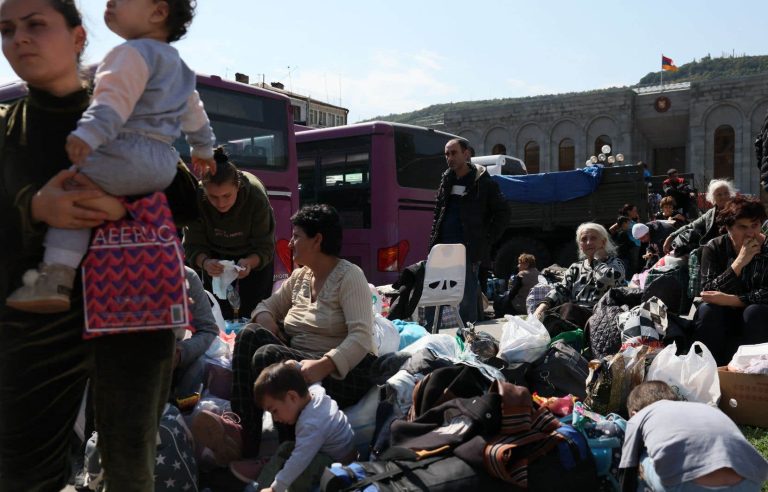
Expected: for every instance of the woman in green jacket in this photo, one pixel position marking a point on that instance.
(236, 223)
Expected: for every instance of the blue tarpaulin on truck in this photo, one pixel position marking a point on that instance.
(550, 187)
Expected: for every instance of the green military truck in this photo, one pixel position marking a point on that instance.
(546, 230)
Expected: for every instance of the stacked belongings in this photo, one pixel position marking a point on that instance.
(495, 437)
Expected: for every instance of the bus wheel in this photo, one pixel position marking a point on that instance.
(505, 262)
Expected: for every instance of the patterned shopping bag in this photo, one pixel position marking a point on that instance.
(133, 275)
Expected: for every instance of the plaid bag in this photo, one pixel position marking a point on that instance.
(645, 324)
(133, 275)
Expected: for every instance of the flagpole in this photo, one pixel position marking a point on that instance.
(662, 74)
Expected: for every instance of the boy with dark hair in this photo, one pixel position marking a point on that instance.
(323, 434)
(680, 445)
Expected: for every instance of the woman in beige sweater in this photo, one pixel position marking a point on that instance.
(321, 316)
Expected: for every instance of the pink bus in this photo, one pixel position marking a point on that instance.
(382, 178)
(256, 127)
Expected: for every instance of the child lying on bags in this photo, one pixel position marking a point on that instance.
(689, 446)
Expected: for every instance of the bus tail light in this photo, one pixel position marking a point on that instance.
(392, 258)
(284, 253)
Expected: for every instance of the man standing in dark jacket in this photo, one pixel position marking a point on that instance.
(761, 149)
(470, 210)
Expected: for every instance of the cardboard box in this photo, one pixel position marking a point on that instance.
(744, 397)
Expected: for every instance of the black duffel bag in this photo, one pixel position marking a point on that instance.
(560, 372)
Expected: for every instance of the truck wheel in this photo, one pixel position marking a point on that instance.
(567, 254)
(505, 262)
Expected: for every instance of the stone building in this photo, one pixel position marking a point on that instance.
(707, 128)
(308, 111)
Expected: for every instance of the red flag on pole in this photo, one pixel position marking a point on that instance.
(667, 64)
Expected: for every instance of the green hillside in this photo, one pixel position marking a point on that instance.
(705, 69)
(711, 68)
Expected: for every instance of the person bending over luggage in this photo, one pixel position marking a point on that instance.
(323, 434)
(236, 223)
(322, 316)
(585, 281)
(664, 439)
(734, 282)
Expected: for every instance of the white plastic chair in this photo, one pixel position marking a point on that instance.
(444, 280)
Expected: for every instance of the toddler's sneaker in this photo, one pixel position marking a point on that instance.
(222, 434)
(46, 290)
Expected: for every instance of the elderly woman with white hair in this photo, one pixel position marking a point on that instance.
(585, 281)
(700, 231)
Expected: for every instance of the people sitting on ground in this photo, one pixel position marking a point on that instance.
(665, 442)
(683, 193)
(652, 235)
(734, 282)
(236, 223)
(323, 434)
(322, 316)
(622, 238)
(670, 212)
(520, 284)
(584, 283)
(699, 232)
(188, 363)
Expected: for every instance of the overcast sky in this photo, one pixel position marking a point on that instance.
(377, 57)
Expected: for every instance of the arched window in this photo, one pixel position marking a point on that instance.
(499, 149)
(531, 158)
(600, 141)
(567, 155)
(725, 145)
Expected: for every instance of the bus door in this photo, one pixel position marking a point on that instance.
(337, 172)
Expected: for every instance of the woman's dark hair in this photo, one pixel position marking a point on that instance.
(648, 392)
(180, 14)
(226, 172)
(277, 380)
(323, 219)
(741, 207)
(69, 11)
(71, 14)
(626, 209)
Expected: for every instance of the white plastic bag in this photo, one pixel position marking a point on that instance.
(385, 335)
(217, 315)
(523, 340)
(693, 376)
(221, 282)
(441, 345)
(745, 355)
(375, 299)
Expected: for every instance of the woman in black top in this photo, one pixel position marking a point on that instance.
(44, 361)
(734, 269)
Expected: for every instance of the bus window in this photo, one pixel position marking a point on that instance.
(337, 172)
(420, 157)
(251, 128)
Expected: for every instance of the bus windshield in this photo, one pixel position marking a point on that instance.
(252, 128)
